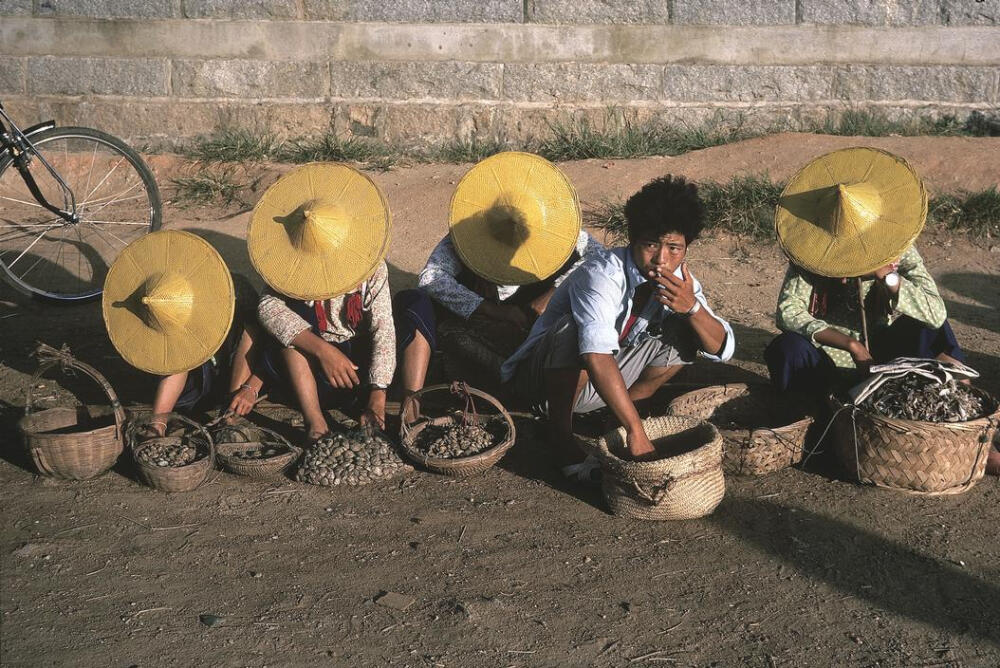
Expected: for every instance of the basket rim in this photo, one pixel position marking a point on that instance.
(902, 423)
(729, 390)
(603, 450)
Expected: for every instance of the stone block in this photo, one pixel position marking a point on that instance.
(409, 80)
(110, 9)
(728, 83)
(11, 75)
(416, 11)
(240, 9)
(249, 78)
(575, 12)
(581, 82)
(726, 12)
(16, 7)
(871, 12)
(138, 77)
(861, 83)
(966, 13)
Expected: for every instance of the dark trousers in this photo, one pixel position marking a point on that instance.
(795, 364)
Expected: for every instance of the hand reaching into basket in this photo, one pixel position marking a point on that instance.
(639, 446)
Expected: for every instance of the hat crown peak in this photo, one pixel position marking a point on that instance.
(168, 300)
(858, 207)
(323, 228)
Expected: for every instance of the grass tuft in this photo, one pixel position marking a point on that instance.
(976, 213)
(210, 186)
(233, 145)
(329, 147)
(865, 123)
(744, 206)
(464, 150)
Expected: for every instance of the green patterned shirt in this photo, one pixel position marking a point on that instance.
(809, 304)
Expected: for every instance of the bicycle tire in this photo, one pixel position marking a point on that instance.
(137, 177)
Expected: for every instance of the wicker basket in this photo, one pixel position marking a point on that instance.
(457, 467)
(762, 431)
(680, 487)
(929, 458)
(255, 437)
(58, 439)
(172, 478)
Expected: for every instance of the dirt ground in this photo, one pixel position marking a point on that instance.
(514, 567)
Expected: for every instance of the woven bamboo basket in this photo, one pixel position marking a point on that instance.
(458, 467)
(71, 443)
(927, 458)
(681, 486)
(762, 431)
(254, 437)
(172, 478)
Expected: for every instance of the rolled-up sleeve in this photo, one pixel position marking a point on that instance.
(383, 332)
(729, 347)
(278, 320)
(793, 307)
(439, 279)
(595, 300)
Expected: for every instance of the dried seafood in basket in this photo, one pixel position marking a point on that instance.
(460, 440)
(915, 397)
(353, 458)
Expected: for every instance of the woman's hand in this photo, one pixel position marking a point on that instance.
(243, 400)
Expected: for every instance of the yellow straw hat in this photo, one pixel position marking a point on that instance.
(849, 212)
(319, 231)
(514, 218)
(168, 302)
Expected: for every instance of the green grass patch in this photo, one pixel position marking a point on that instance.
(233, 145)
(865, 123)
(464, 150)
(745, 207)
(329, 147)
(210, 186)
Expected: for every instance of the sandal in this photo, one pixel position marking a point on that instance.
(587, 471)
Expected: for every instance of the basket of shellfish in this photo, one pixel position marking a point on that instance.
(355, 457)
(172, 453)
(455, 430)
(252, 451)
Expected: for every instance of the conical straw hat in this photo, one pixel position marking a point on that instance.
(168, 302)
(319, 231)
(849, 212)
(514, 218)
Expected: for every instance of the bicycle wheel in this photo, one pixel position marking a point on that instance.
(117, 201)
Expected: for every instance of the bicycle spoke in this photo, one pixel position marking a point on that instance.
(106, 176)
(114, 222)
(30, 246)
(21, 201)
(96, 229)
(90, 173)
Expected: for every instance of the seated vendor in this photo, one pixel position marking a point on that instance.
(856, 292)
(622, 324)
(173, 309)
(318, 237)
(512, 240)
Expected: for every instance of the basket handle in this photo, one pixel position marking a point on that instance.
(281, 439)
(136, 423)
(404, 428)
(49, 357)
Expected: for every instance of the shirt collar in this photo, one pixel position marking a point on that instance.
(633, 276)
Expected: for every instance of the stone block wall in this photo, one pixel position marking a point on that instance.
(428, 71)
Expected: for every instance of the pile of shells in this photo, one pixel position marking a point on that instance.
(167, 454)
(458, 440)
(354, 458)
(262, 452)
(914, 397)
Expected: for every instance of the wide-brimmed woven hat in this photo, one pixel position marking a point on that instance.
(849, 212)
(168, 302)
(319, 231)
(514, 218)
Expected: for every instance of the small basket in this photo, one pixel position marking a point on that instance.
(927, 458)
(750, 450)
(681, 487)
(255, 436)
(457, 467)
(172, 478)
(57, 438)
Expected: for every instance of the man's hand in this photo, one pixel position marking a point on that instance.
(639, 446)
(337, 367)
(677, 293)
(862, 358)
(243, 400)
(374, 413)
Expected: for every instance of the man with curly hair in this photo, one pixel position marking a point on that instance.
(622, 324)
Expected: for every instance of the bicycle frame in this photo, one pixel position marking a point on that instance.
(16, 142)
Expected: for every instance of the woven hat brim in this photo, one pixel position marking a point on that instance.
(819, 251)
(532, 185)
(213, 302)
(362, 243)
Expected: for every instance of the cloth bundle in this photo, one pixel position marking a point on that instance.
(940, 372)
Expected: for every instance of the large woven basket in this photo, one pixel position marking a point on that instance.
(464, 408)
(172, 478)
(246, 438)
(929, 458)
(68, 442)
(684, 486)
(762, 430)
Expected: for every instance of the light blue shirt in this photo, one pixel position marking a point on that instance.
(599, 295)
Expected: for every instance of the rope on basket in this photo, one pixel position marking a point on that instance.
(815, 449)
(461, 388)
